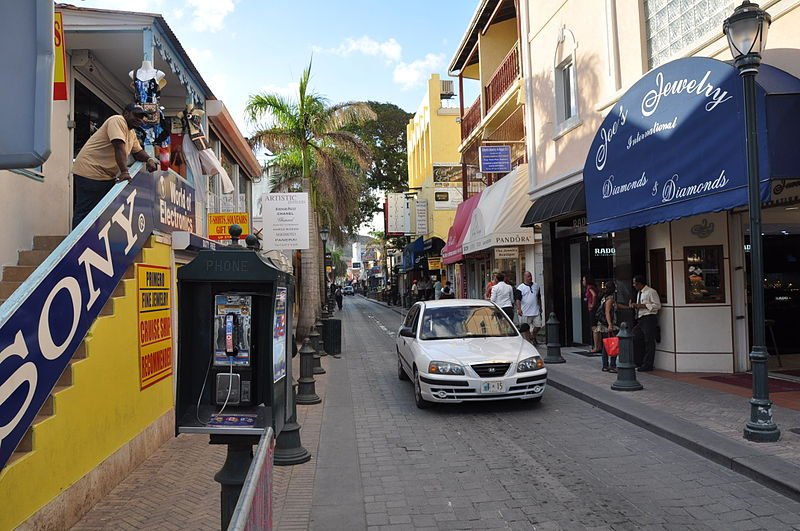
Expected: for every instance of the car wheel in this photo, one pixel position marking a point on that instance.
(401, 373)
(421, 402)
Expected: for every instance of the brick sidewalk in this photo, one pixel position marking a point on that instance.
(175, 489)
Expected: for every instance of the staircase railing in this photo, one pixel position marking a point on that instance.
(45, 320)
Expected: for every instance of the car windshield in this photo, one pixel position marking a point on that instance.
(455, 322)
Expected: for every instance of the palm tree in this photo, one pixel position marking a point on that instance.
(311, 131)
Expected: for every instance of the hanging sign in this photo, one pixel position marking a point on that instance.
(175, 208)
(434, 263)
(285, 220)
(506, 253)
(218, 225)
(421, 212)
(494, 159)
(59, 66)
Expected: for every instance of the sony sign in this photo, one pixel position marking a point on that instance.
(46, 319)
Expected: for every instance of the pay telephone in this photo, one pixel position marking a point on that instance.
(232, 371)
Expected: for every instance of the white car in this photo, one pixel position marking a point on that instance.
(347, 290)
(461, 350)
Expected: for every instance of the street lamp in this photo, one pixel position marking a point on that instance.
(746, 30)
(324, 232)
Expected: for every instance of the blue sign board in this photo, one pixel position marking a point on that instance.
(46, 319)
(494, 159)
(673, 146)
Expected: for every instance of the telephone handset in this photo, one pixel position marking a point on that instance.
(231, 333)
(232, 361)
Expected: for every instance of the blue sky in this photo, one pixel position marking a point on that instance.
(363, 49)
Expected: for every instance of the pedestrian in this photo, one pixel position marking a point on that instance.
(414, 290)
(447, 291)
(647, 305)
(103, 160)
(503, 296)
(591, 296)
(437, 288)
(487, 293)
(607, 323)
(529, 306)
(338, 296)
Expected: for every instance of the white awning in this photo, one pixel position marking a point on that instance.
(497, 218)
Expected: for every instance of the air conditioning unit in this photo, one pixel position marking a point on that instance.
(446, 89)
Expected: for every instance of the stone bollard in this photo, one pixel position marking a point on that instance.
(321, 346)
(553, 342)
(307, 392)
(626, 369)
(315, 339)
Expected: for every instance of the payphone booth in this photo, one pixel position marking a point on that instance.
(234, 344)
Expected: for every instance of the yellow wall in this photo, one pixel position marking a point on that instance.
(102, 411)
(433, 137)
(494, 45)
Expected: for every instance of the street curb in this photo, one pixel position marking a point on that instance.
(772, 472)
(394, 309)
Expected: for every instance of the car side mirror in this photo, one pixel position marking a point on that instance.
(406, 332)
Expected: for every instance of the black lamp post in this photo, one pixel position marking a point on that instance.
(324, 232)
(746, 30)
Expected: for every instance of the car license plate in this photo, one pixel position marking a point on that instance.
(492, 387)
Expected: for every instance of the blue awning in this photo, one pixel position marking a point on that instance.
(674, 145)
(410, 253)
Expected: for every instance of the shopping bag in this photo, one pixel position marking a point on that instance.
(611, 344)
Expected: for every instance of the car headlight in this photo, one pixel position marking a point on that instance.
(445, 367)
(530, 364)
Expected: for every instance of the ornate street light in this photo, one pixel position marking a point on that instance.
(747, 30)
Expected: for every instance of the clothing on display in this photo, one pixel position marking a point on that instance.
(200, 158)
(147, 84)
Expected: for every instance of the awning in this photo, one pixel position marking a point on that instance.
(410, 254)
(451, 252)
(496, 220)
(564, 202)
(433, 246)
(674, 145)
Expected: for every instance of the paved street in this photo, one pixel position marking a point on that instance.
(561, 464)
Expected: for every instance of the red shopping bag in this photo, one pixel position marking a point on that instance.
(611, 344)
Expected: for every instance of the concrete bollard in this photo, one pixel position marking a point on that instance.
(626, 368)
(321, 346)
(307, 391)
(289, 448)
(553, 342)
(315, 339)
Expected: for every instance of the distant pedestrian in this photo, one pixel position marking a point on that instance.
(447, 291)
(503, 296)
(487, 293)
(606, 323)
(437, 288)
(529, 306)
(647, 305)
(414, 290)
(338, 296)
(591, 297)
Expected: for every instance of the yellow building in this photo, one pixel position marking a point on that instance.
(434, 173)
(487, 236)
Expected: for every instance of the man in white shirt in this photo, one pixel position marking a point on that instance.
(646, 307)
(503, 296)
(529, 307)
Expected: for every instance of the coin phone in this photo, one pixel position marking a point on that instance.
(232, 370)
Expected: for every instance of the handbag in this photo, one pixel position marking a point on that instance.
(611, 345)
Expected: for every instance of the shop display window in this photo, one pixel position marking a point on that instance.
(704, 274)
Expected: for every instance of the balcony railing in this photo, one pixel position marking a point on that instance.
(471, 118)
(505, 76)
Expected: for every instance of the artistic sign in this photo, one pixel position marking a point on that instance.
(673, 146)
(153, 285)
(285, 220)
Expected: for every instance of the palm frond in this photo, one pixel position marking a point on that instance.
(341, 115)
(274, 139)
(352, 146)
(262, 106)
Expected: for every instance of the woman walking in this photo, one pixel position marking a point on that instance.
(606, 323)
(592, 297)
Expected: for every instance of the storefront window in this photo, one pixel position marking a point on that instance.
(90, 113)
(705, 281)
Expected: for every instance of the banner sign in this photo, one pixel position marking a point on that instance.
(153, 284)
(421, 211)
(175, 209)
(219, 223)
(45, 320)
(285, 221)
(673, 146)
(59, 65)
(494, 159)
